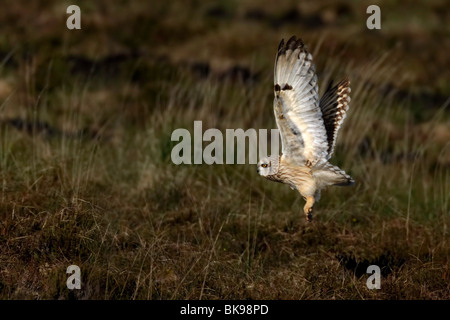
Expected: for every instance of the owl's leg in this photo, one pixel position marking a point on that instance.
(308, 208)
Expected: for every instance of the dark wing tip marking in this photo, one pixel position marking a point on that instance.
(281, 45)
(277, 87)
(292, 44)
(344, 84)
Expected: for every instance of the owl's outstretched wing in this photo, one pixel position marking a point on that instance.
(334, 105)
(296, 104)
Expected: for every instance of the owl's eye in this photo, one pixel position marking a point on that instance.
(264, 165)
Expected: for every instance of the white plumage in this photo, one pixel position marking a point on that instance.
(308, 126)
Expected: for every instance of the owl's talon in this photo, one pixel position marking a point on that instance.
(309, 215)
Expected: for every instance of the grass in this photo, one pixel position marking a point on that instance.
(86, 176)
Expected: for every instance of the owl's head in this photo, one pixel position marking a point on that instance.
(268, 166)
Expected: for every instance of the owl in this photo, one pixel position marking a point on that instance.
(308, 126)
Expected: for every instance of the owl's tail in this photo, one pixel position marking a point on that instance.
(328, 174)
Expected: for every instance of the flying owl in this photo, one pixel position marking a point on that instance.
(308, 126)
